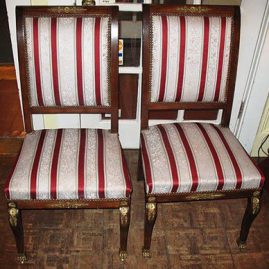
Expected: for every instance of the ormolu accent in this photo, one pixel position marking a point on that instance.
(151, 199)
(255, 201)
(241, 245)
(21, 258)
(13, 214)
(124, 215)
(198, 9)
(88, 3)
(66, 204)
(123, 255)
(146, 253)
(151, 211)
(205, 196)
(67, 10)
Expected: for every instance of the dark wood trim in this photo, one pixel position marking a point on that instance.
(65, 204)
(200, 196)
(233, 67)
(186, 105)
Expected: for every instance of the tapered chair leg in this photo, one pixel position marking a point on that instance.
(15, 222)
(252, 210)
(150, 218)
(124, 229)
(140, 173)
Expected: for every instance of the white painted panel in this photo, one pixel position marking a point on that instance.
(56, 121)
(251, 18)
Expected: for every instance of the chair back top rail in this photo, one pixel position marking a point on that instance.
(190, 55)
(68, 59)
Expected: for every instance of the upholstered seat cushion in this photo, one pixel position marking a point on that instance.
(195, 157)
(69, 164)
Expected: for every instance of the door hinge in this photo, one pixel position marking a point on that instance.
(241, 109)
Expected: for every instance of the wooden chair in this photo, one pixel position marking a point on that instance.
(189, 63)
(69, 64)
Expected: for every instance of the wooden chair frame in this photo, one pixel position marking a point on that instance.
(16, 206)
(152, 200)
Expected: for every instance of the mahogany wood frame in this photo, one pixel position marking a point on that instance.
(16, 206)
(152, 200)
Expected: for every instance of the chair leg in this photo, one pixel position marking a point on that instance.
(150, 218)
(15, 222)
(140, 173)
(124, 229)
(252, 210)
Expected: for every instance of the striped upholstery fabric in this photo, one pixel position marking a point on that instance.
(190, 58)
(68, 60)
(69, 164)
(194, 157)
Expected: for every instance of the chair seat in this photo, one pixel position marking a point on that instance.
(194, 157)
(69, 164)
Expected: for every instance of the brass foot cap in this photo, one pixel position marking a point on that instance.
(241, 245)
(21, 258)
(146, 253)
(123, 255)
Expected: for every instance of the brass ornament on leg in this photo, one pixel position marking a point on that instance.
(123, 255)
(151, 211)
(146, 253)
(124, 215)
(255, 201)
(13, 214)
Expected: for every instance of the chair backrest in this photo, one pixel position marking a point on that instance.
(189, 58)
(68, 60)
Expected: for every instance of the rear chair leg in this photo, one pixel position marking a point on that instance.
(124, 228)
(140, 173)
(150, 218)
(15, 222)
(252, 210)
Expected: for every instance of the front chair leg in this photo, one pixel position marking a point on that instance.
(252, 210)
(15, 222)
(124, 229)
(150, 218)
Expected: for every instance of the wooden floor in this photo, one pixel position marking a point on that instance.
(190, 235)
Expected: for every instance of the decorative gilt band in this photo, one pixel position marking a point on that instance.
(255, 201)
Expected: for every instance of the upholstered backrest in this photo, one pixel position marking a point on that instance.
(67, 60)
(190, 58)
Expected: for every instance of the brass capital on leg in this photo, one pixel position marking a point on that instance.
(151, 210)
(255, 202)
(13, 214)
(124, 210)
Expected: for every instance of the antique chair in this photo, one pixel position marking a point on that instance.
(189, 63)
(69, 64)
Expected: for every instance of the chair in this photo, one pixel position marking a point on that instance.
(189, 63)
(69, 64)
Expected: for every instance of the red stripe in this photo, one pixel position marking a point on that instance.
(126, 175)
(54, 165)
(36, 165)
(164, 58)
(172, 161)
(181, 57)
(231, 155)
(37, 62)
(214, 155)
(55, 61)
(221, 54)
(101, 174)
(7, 184)
(97, 60)
(81, 162)
(205, 58)
(79, 60)
(190, 156)
(146, 164)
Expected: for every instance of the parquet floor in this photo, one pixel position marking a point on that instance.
(196, 235)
